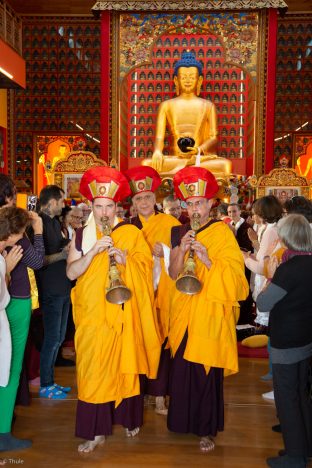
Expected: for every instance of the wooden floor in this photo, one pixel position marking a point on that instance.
(246, 442)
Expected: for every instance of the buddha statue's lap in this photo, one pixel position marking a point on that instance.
(171, 164)
(188, 115)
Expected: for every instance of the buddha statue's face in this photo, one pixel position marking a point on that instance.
(62, 150)
(187, 80)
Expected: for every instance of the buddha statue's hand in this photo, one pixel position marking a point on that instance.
(194, 150)
(185, 155)
(211, 156)
(191, 151)
(157, 160)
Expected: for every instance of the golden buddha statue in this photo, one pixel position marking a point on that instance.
(188, 116)
(62, 151)
(304, 163)
(46, 167)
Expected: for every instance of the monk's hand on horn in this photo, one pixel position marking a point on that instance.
(202, 253)
(187, 241)
(102, 244)
(120, 255)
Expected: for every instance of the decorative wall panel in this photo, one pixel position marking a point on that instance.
(227, 50)
(293, 84)
(63, 87)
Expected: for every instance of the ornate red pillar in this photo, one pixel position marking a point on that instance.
(3, 151)
(105, 85)
(270, 95)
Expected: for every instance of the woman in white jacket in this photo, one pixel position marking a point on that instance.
(269, 210)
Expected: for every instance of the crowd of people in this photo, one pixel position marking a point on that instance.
(136, 332)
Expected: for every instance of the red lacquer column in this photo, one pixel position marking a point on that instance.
(271, 77)
(105, 84)
(4, 161)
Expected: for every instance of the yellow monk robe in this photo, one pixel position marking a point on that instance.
(210, 317)
(115, 343)
(158, 229)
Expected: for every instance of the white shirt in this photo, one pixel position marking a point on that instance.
(238, 224)
(5, 334)
(267, 247)
(4, 295)
(70, 231)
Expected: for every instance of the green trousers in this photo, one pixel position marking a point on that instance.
(18, 313)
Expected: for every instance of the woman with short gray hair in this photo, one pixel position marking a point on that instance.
(295, 233)
(289, 300)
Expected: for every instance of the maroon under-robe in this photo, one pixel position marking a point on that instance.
(159, 386)
(196, 400)
(98, 419)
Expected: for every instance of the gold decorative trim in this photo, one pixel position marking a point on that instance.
(186, 5)
(11, 134)
(77, 162)
(260, 96)
(283, 178)
(58, 180)
(114, 121)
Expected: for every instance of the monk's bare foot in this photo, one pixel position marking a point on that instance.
(206, 444)
(132, 433)
(161, 406)
(89, 445)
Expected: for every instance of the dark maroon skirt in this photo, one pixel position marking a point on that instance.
(160, 386)
(196, 400)
(98, 419)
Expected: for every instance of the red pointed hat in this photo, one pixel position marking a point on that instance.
(195, 181)
(143, 179)
(104, 182)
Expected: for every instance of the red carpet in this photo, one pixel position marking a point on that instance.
(243, 351)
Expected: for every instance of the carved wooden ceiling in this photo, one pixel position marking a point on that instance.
(83, 7)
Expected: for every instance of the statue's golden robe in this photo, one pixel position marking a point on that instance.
(210, 317)
(115, 343)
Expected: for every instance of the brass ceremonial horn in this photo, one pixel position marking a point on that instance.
(188, 283)
(117, 293)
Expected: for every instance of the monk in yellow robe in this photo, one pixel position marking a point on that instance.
(156, 228)
(115, 343)
(202, 333)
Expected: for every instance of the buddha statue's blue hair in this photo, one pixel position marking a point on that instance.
(188, 59)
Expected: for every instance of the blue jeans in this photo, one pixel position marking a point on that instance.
(55, 314)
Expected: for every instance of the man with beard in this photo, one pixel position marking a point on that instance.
(54, 290)
(116, 343)
(202, 334)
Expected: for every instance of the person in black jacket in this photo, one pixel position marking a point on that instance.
(240, 228)
(54, 290)
(289, 300)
